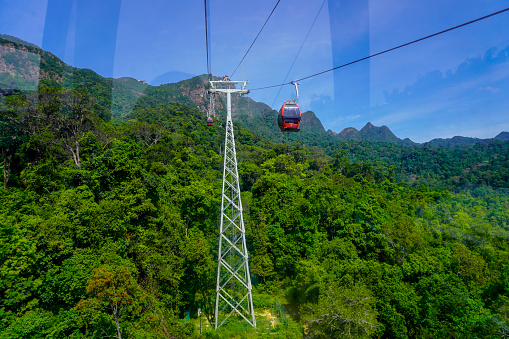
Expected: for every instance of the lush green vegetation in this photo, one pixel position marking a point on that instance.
(110, 229)
(484, 163)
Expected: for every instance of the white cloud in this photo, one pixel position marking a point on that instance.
(490, 89)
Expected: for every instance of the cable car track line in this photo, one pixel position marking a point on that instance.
(300, 49)
(255, 39)
(207, 37)
(392, 49)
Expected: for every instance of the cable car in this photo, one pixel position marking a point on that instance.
(209, 121)
(289, 115)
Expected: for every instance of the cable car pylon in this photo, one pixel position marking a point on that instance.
(233, 289)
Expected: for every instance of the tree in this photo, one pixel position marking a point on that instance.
(343, 313)
(115, 289)
(70, 114)
(14, 123)
(9, 140)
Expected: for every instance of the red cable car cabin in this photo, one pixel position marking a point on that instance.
(209, 121)
(289, 117)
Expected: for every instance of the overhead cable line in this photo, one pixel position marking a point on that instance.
(391, 49)
(211, 109)
(255, 38)
(207, 38)
(300, 49)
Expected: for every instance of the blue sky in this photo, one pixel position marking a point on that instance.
(453, 84)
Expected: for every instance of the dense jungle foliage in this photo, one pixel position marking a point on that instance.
(111, 228)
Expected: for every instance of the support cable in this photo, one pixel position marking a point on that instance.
(255, 39)
(207, 38)
(391, 49)
(300, 49)
(211, 108)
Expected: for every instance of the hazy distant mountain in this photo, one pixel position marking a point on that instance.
(453, 142)
(503, 136)
(170, 78)
(458, 141)
(371, 133)
(383, 133)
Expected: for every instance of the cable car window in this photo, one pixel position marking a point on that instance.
(291, 112)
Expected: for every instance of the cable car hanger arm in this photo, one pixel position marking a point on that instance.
(295, 83)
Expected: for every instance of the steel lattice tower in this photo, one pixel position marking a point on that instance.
(233, 290)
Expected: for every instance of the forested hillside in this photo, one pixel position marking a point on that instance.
(109, 227)
(484, 163)
(26, 67)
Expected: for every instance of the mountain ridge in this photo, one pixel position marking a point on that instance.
(127, 93)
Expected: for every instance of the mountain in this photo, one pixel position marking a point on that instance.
(119, 97)
(311, 123)
(24, 66)
(503, 136)
(453, 142)
(371, 133)
(17, 40)
(459, 141)
(125, 94)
